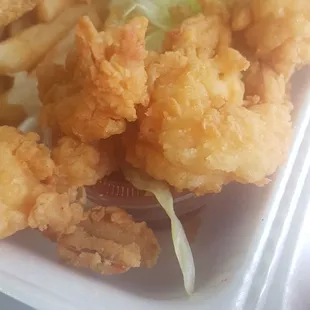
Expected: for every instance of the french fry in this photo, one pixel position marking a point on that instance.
(11, 10)
(59, 52)
(23, 93)
(17, 26)
(25, 50)
(47, 10)
(6, 82)
(11, 114)
(2, 33)
(102, 7)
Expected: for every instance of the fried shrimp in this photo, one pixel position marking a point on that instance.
(108, 241)
(277, 31)
(79, 164)
(104, 79)
(199, 132)
(25, 167)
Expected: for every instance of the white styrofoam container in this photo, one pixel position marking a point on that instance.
(248, 252)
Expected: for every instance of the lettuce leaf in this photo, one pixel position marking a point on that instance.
(158, 12)
(161, 191)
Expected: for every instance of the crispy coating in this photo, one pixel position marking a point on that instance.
(109, 242)
(25, 166)
(14, 9)
(57, 213)
(29, 195)
(219, 8)
(199, 35)
(27, 150)
(79, 164)
(103, 81)
(277, 31)
(262, 81)
(199, 133)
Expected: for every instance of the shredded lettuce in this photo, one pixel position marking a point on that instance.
(157, 12)
(161, 191)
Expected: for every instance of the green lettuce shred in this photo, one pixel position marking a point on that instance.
(161, 191)
(158, 12)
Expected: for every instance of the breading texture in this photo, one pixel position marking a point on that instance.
(199, 132)
(104, 79)
(25, 167)
(278, 31)
(55, 213)
(263, 82)
(31, 193)
(108, 241)
(79, 164)
(11, 10)
(199, 35)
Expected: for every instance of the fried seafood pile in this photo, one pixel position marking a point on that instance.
(44, 191)
(213, 115)
(212, 107)
(200, 114)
